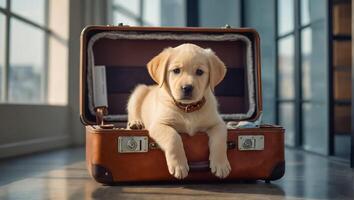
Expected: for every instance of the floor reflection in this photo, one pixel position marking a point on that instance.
(192, 191)
(63, 175)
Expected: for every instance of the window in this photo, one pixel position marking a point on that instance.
(212, 13)
(286, 88)
(313, 76)
(285, 16)
(2, 53)
(127, 12)
(33, 10)
(27, 32)
(148, 12)
(302, 72)
(3, 3)
(26, 74)
(286, 69)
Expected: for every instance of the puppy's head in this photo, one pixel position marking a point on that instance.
(188, 71)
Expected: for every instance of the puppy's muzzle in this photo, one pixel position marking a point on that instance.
(187, 91)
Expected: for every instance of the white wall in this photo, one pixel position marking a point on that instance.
(30, 128)
(58, 52)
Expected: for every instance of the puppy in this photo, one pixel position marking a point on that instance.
(182, 102)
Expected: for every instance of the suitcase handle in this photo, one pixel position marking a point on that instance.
(201, 166)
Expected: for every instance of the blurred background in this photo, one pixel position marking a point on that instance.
(306, 65)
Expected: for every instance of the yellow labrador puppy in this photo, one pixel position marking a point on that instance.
(182, 102)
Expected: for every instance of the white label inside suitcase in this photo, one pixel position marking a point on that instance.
(99, 86)
(250, 142)
(132, 144)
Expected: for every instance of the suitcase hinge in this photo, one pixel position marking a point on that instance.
(227, 26)
(121, 24)
(100, 113)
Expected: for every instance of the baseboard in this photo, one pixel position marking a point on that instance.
(35, 145)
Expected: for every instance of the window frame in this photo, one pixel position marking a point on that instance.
(298, 100)
(9, 15)
(295, 99)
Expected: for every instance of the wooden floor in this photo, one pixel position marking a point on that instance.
(62, 175)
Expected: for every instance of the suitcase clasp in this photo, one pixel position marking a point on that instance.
(132, 144)
(251, 142)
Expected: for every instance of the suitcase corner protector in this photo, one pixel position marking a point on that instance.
(277, 172)
(101, 174)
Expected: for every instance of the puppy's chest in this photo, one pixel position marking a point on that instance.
(192, 125)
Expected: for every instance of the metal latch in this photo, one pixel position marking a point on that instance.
(132, 144)
(251, 142)
(100, 113)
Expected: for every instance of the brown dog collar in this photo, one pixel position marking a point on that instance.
(191, 107)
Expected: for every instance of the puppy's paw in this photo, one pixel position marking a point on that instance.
(177, 167)
(179, 171)
(135, 124)
(220, 168)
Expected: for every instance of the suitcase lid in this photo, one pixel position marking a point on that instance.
(111, 54)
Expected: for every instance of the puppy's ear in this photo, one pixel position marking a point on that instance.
(217, 69)
(158, 65)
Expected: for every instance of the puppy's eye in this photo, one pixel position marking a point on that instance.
(199, 72)
(176, 71)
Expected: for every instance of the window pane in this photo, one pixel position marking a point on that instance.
(132, 6)
(285, 16)
(121, 18)
(215, 14)
(287, 120)
(26, 63)
(286, 68)
(2, 52)
(3, 3)
(314, 70)
(126, 12)
(312, 10)
(315, 128)
(34, 10)
(306, 50)
(314, 88)
(164, 13)
(152, 13)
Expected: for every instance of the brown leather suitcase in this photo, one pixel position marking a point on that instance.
(113, 61)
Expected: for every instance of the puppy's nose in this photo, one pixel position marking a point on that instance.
(187, 89)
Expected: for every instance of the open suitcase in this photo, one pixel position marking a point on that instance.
(113, 61)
